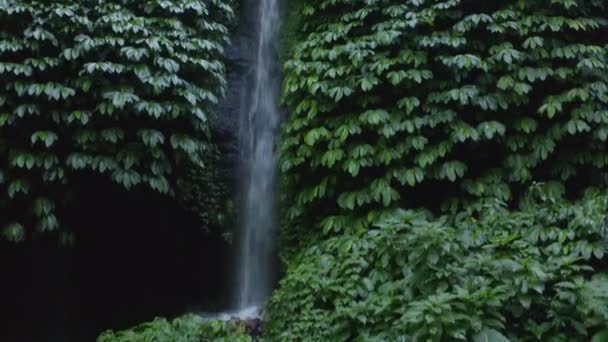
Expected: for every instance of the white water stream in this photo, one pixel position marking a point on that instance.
(260, 117)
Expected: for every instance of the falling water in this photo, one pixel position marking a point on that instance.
(260, 118)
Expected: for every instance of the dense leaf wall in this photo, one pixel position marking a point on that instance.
(117, 88)
(489, 116)
(429, 103)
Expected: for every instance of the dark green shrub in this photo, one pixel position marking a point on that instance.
(485, 274)
(189, 328)
(117, 88)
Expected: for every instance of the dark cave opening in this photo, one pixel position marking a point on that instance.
(137, 255)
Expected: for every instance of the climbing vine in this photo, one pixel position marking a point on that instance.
(121, 89)
(488, 122)
(437, 103)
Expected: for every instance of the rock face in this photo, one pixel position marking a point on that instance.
(226, 121)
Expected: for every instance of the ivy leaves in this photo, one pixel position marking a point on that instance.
(443, 97)
(117, 89)
(457, 108)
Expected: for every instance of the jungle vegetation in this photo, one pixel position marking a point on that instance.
(443, 164)
(118, 88)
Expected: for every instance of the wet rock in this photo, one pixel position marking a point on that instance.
(252, 326)
(225, 122)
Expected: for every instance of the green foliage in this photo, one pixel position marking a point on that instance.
(457, 107)
(203, 190)
(189, 328)
(438, 103)
(121, 89)
(484, 274)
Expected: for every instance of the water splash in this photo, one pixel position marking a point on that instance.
(247, 313)
(258, 133)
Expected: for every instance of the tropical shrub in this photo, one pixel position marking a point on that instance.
(485, 274)
(190, 328)
(121, 89)
(436, 103)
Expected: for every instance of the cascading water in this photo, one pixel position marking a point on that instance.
(260, 117)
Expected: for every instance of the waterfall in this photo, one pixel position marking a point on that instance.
(260, 117)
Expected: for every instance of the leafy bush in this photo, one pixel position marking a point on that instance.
(189, 328)
(117, 88)
(486, 274)
(428, 103)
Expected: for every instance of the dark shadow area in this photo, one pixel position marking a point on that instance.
(137, 255)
